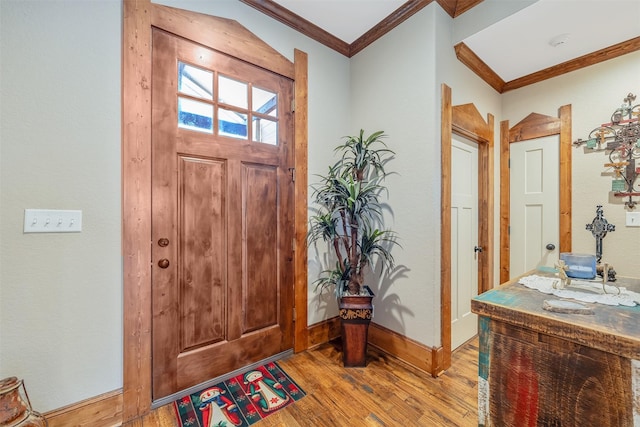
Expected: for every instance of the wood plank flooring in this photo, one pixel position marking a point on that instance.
(385, 393)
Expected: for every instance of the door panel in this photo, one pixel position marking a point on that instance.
(464, 238)
(260, 210)
(534, 204)
(222, 279)
(202, 219)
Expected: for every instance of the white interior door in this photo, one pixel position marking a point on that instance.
(464, 239)
(534, 184)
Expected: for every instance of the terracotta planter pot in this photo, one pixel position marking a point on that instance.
(355, 315)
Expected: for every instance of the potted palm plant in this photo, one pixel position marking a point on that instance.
(348, 216)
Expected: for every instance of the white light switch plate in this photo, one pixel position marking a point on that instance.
(52, 221)
(633, 219)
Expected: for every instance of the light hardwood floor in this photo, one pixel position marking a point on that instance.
(385, 393)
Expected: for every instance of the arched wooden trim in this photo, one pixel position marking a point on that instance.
(223, 35)
(464, 120)
(226, 36)
(535, 126)
(468, 122)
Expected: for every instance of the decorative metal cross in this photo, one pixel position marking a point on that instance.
(599, 228)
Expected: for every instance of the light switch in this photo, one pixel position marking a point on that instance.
(633, 219)
(52, 221)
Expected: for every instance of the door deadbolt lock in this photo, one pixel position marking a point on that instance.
(163, 242)
(163, 263)
(477, 249)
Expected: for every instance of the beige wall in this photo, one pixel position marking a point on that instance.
(398, 91)
(61, 295)
(594, 93)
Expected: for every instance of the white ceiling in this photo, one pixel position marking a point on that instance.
(513, 47)
(345, 19)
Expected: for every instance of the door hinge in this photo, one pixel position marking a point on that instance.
(292, 171)
(293, 105)
(509, 230)
(294, 314)
(293, 244)
(509, 166)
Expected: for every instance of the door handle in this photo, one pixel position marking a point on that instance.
(551, 246)
(163, 242)
(477, 249)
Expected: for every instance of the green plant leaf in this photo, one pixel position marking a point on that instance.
(348, 207)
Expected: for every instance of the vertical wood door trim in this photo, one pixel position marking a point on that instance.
(565, 178)
(536, 126)
(445, 233)
(136, 197)
(136, 207)
(464, 120)
(505, 200)
(301, 99)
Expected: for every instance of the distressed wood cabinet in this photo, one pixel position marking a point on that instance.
(540, 368)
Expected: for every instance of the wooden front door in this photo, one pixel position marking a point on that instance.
(222, 214)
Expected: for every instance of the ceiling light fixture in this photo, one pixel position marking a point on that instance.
(559, 40)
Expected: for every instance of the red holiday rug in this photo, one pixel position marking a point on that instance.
(240, 401)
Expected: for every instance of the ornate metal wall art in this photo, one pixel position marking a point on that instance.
(621, 138)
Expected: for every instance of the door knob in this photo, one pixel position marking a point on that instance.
(163, 263)
(551, 247)
(477, 249)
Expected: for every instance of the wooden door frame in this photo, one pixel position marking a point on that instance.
(230, 37)
(466, 121)
(531, 127)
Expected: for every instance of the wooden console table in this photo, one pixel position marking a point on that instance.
(540, 368)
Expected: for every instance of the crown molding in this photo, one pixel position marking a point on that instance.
(463, 5)
(279, 13)
(303, 26)
(478, 66)
(587, 60)
(397, 17)
(475, 64)
(299, 24)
